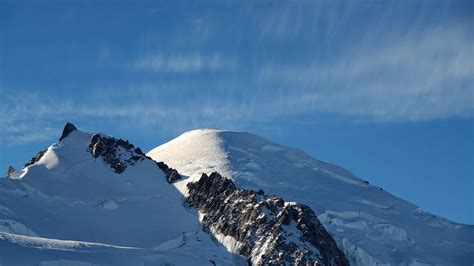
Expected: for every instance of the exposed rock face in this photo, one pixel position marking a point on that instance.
(118, 153)
(265, 229)
(36, 158)
(171, 174)
(68, 128)
(11, 170)
(268, 230)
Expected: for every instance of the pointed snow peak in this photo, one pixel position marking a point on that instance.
(68, 128)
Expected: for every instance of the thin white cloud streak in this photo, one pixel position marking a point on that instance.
(31, 118)
(31, 136)
(423, 77)
(185, 63)
(417, 78)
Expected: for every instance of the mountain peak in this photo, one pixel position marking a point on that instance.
(68, 128)
(369, 224)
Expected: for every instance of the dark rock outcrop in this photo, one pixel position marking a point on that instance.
(269, 230)
(10, 171)
(68, 128)
(171, 174)
(117, 153)
(36, 158)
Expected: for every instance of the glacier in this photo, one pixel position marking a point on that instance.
(92, 199)
(371, 226)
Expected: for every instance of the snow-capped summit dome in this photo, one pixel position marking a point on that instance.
(370, 225)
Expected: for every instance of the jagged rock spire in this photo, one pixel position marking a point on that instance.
(68, 128)
(11, 170)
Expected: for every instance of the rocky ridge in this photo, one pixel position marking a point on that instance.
(117, 153)
(265, 229)
(171, 174)
(35, 158)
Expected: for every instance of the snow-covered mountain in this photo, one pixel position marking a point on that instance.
(92, 199)
(371, 226)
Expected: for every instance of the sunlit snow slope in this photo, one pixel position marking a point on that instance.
(370, 225)
(70, 207)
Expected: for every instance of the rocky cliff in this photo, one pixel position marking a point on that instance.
(265, 229)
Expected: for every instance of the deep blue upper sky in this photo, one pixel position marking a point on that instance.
(383, 88)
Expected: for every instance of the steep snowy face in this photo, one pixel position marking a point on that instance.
(194, 153)
(370, 225)
(107, 199)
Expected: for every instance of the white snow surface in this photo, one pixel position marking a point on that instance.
(73, 209)
(372, 226)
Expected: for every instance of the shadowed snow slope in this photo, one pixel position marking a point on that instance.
(72, 192)
(370, 225)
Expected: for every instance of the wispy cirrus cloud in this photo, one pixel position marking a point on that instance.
(34, 117)
(185, 63)
(414, 78)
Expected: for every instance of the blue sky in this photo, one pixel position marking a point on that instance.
(383, 88)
